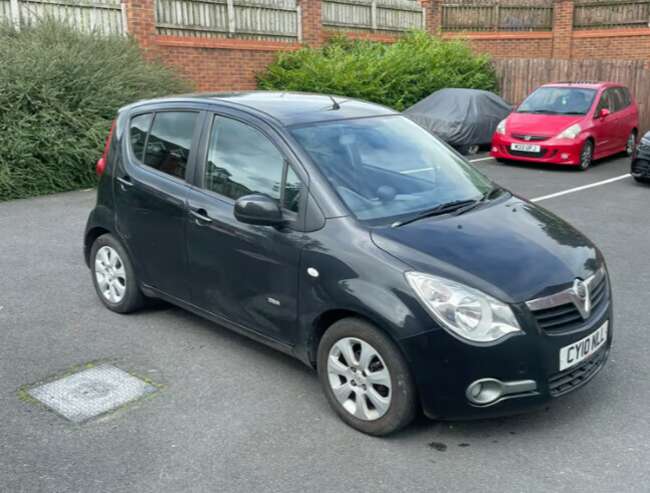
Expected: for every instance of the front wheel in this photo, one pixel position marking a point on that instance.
(587, 155)
(365, 377)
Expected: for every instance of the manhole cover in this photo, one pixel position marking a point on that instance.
(91, 392)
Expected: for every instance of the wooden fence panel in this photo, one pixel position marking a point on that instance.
(496, 17)
(375, 15)
(612, 14)
(249, 19)
(103, 16)
(519, 77)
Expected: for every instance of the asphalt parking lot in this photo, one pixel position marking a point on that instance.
(231, 415)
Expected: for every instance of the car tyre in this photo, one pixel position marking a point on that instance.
(630, 146)
(355, 389)
(586, 156)
(113, 276)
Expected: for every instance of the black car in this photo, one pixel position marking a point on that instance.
(344, 234)
(641, 160)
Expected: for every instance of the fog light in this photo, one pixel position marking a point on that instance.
(564, 156)
(495, 149)
(484, 391)
(487, 391)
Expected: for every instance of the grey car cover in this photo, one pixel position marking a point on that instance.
(460, 117)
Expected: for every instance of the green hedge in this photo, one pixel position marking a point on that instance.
(396, 75)
(59, 91)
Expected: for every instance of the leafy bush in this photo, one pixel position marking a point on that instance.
(396, 75)
(59, 91)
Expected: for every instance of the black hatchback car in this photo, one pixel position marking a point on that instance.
(640, 169)
(344, 234)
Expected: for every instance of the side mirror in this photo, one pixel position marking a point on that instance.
(604, 113)
(258, 209)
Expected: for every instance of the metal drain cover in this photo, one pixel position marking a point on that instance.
(91, 392)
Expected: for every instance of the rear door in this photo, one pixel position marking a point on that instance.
(151, 193)
(246, 274)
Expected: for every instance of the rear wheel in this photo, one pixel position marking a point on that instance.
(365, 378)
(113, 276)
(630, 146)
(587, 155)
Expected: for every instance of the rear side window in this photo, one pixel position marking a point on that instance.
(169, 143)
(138, 131)
(623, 97)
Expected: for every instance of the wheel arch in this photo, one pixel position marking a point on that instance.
(91, 236)
(328, 318)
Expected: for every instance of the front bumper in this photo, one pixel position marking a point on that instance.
(444, 367)
(553, 151)
(641, 163)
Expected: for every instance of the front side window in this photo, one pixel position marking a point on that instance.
(389, 166)
(559, 101)
(169, 143)
(242, 161)
(605, 103)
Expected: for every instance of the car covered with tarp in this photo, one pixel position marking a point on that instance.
(464, 118)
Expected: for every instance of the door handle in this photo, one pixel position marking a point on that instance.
(125, 182)
(201, 215)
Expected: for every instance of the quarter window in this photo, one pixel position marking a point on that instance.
(293, 191)
(241, 161)
(169, 143)
(138, 131)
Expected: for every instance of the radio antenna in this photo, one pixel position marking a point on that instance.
(335, 105)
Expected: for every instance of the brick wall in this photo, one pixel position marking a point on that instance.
(230, 64)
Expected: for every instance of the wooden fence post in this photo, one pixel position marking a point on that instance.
(373, 15)
(14, 10)
(231, 17)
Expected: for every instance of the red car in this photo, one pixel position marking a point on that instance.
(569, 124)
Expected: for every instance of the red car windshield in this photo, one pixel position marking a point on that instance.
(559, 101)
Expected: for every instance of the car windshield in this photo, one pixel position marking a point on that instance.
(558, 101)
(389, 167)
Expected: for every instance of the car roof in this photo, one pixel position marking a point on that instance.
(584, 84)
(289, 108)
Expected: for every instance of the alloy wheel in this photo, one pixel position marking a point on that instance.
(110, 274)
(630, 147)
(586, 156)
(359, 379)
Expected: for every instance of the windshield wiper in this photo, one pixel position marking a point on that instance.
(437, 211)
(487, 196)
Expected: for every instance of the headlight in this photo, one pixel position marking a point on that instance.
(463, 311)
(571, 133)
(501, 127)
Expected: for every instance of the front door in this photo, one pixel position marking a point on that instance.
(605, 128)
(244, 273)
(151, 195)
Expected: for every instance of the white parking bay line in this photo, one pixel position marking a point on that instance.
(411, 171)
(421, 170)
(578, 189)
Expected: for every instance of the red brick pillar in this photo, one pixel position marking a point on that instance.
(562, 29)
(312, 28)
(141, 23)
(434, 16)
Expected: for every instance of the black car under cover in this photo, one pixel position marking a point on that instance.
(460, 117)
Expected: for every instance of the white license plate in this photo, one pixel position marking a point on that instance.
(525, 147)
(580, 350)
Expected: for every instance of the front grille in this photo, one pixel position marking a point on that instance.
(571, 379)
(641, 167)
(566, 316)
(530, 138)
(539, 154)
